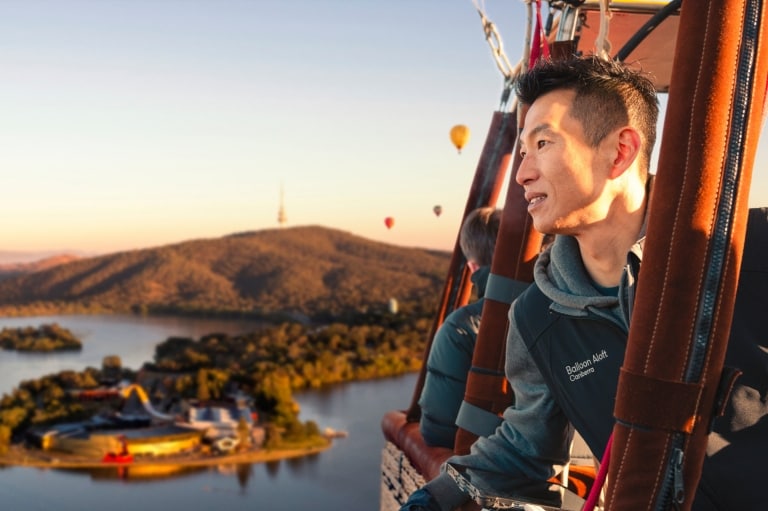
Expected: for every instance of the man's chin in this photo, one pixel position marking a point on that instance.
(540, 225)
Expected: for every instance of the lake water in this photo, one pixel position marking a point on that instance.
(344, 477)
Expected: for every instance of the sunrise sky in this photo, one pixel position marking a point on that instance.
(130, 124)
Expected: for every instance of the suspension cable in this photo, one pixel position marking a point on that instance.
(494, 41)
(508, 71)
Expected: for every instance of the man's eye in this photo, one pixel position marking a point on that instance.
(541, 143)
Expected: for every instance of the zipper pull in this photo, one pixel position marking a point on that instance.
(678, 492)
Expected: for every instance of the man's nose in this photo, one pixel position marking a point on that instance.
(525, 172)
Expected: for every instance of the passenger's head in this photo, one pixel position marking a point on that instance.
(478, 235)
(608, 95)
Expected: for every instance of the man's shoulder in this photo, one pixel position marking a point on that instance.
(531, 300)
(465, 313)
(531, 310)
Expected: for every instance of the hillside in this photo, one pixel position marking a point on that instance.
(308, 270)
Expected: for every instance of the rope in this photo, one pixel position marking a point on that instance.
(602, 473)
(539, 47)
(526, 59)
(602, 44)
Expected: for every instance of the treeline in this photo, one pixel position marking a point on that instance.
(308, 357)
(47, 337)
(272, 363)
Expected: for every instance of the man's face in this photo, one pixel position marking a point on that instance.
(563, 176)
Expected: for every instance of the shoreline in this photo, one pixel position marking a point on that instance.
(18, 456)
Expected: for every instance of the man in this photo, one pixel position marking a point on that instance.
(586, 147)
(450, 357)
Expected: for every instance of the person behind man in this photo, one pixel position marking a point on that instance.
(450, 357)
(586, 147)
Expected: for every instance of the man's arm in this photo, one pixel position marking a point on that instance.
(534, 437)
(446, 380)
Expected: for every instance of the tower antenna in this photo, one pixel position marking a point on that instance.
(281, 219)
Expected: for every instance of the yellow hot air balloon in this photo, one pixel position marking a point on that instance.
(459, 136)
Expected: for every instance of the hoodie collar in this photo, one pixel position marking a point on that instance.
(480, 279)
(560, 274)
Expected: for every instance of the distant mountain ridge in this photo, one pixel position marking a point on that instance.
(8, 270)
(309, 270)
(10, 257)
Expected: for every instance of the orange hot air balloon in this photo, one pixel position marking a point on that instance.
(389, 222)
(438, 210)
(459, 136)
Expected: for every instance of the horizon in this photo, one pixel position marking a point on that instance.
(131, 125)
(14, 257)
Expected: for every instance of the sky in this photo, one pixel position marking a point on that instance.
(128, 124)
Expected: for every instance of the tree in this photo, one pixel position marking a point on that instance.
(243, 433)
(5, 438)
(203, 394)
(273, 395)
(272, 437)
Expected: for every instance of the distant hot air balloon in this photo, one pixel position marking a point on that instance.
(438, 210)
(389, 222)
(459, 136)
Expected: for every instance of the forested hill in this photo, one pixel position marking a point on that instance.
(312, 271)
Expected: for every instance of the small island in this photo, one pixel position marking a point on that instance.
(45, 338)
(103, 417)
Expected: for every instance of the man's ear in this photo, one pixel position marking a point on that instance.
(473, 266)
(627, 150)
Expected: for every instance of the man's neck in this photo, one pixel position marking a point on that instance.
(604, 248)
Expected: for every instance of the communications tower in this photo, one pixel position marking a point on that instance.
(281, 219)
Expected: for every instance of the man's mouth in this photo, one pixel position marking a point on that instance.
(534, 199)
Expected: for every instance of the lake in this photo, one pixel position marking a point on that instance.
(344, 477)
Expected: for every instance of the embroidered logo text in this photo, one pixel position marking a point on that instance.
(584, 367)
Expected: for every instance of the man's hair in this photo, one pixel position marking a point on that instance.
(609, 95)
(478, 234)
